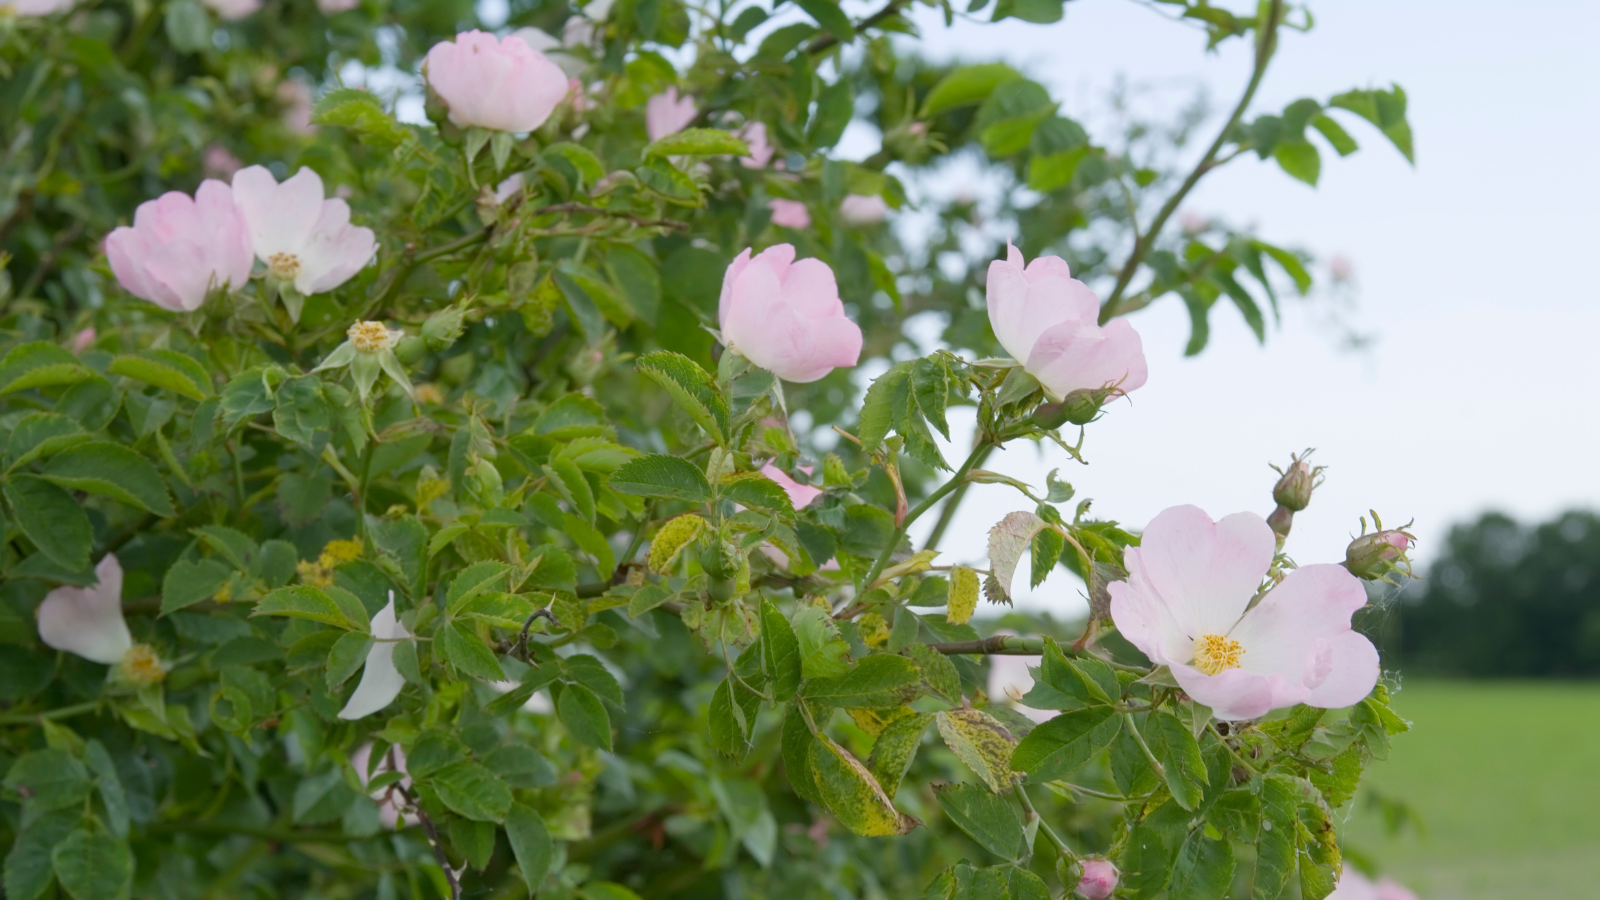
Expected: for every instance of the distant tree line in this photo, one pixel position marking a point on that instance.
(1506, 600)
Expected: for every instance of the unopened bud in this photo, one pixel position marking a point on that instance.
(443, 327)
(1099, 879)
(1294, 488)
(410, 350)
(1375, 556)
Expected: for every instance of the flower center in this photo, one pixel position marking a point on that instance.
(284, 265)
(1216, 653)
(141, 666)
(371, 337)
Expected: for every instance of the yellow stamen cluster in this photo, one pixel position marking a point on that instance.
(141, 666)
(1216, 653)
(284, 265)
(372, 337)
(334, 555)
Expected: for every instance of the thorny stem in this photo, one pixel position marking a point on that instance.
(432, 832)
(1266, 43)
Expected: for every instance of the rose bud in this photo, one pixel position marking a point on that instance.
(1099, 879)
(1375, 556)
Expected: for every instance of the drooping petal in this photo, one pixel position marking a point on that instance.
(800, 495)
(1081, 356)
(1205, 571)
(1236, 694)
(735, 268)
(88, 621)
(380, 682)
(1142, 616)
(335, 251)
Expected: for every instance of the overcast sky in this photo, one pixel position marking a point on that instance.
(1474, 269)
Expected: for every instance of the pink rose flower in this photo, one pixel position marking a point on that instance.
(1047, 320)
(1389, 889)
(302, 237)
(494, 83)
(1355, 886)
(82, 340)
(863, 209)
(789, 213)
(1184, 605)
(1099, 879)
(231, 10)
(667, 113)
(755, 135)
(786, 316)
(801, 495)
(179, 248)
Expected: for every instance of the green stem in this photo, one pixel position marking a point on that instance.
(1049, 833)
(1139, 739)
(1266, 43)
(64, 712)
(956, 480)
(948, 512)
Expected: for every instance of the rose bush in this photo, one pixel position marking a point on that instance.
(512, 496)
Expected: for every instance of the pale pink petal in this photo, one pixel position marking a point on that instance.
(787, 318)
(1078, 355)
(389, 799)
(1389, 889)
(1353, 886)
(1099, 879)
(1205, 571)
(280, 216)
(494, 83)
(810, 289)
(755, 136)
(381, 682)
(800, 495)
(88, 621)
(1142, 616)
(1007, 292)
(863, 209)
(1312, 602)
(1235, 694)
(335, 250)
(735, 268)
(789, 213)
(1010, 680)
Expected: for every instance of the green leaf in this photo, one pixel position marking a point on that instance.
(302, 413)
(755, 490)
(361, 112)
(966, 86)
(39, 364)
(1072, 683)
(1300, 159)
(989, 819)
(306, 602)
(166, 369)
(877, 409)
(836, 105)
(1024, 884)
(472, 581)
(459, 645)
(850, 792)
(349, 653)
(1386, 110)
(92, 865)
(698, 142)
(1062, 745)
(49, 779)
(780, 653)
(51, 519)
(1042, 12)
(189, 582)
(471, 790)
(732, 718)
(833, 19)
(938, 672)
(659, 475)
(1341, 140)
(1276, 847)
(691, 387)
(28, 869)
(112, 794)
(895, 748)
(1289, 262)
(530, 844)
(41, 434)
(980, 741)
(1204, 870)
(585, 716)
(112, 470)
(822, 653)
(876, 682)
(1174, 744)
(1153, 847)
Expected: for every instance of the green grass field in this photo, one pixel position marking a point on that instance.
(1506, 779)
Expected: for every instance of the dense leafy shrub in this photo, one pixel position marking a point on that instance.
(417, 509)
